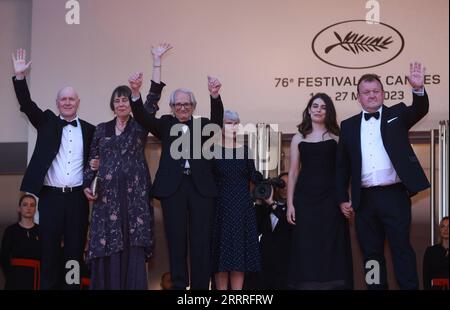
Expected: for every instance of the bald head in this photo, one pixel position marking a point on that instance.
(67, 102)
(66, 91)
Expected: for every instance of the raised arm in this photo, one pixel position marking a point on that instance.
(157, 53)
(420, 104)
(416, 76)
(144, 117)
(135, 82)
(214, 86)
(27, 106)
(20, 64)
(154, 94)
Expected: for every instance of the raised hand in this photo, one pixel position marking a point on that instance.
(416, 76)
(135, 82)
(214, 86)
(20, 64)
(157, 53)
(160, 50)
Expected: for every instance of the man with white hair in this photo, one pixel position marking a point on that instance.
(55, 174)
(185, 186)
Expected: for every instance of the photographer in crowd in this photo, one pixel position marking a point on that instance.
(275, 234)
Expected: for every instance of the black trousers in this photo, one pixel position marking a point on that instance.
(386, 211)
(62, 217)
(187, 213)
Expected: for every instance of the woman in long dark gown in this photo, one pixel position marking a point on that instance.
(235, 248)
(21, 249)
(121, 229)
(321, 251)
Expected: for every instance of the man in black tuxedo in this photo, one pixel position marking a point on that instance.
(374, 152)
(184, 182)
(55, 174)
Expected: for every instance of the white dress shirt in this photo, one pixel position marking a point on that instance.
(185, 128)
(67, 167)
(376, 168)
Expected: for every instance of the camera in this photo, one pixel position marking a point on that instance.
(264, 188)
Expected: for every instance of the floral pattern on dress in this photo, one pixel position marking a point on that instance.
(123, 190)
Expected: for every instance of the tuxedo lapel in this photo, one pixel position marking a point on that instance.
(86, 146)
(59, 129)
(357, 141)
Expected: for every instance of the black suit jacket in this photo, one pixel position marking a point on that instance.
(49, 132)
(396, 121)
(169, 174)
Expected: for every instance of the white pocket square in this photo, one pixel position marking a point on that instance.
(392, 119)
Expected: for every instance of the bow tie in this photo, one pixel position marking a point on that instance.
(367, 116)
(188, 122)
(65, 123)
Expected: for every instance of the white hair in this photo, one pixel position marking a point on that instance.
(185, 91)
(231, 116)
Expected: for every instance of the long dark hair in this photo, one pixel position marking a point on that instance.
(305, 127)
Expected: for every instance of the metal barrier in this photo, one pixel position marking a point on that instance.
(440, 187)
(267, 149)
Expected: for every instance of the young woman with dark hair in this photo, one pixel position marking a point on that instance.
(21, 249)
(321, 252)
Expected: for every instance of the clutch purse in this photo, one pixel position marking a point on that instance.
(94, 185)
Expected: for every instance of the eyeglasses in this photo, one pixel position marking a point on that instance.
(179, 105)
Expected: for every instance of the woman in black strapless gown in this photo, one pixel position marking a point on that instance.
(321, 253)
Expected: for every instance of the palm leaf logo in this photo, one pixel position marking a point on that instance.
(355, 43)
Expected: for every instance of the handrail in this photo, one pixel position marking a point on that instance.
(433, 182)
